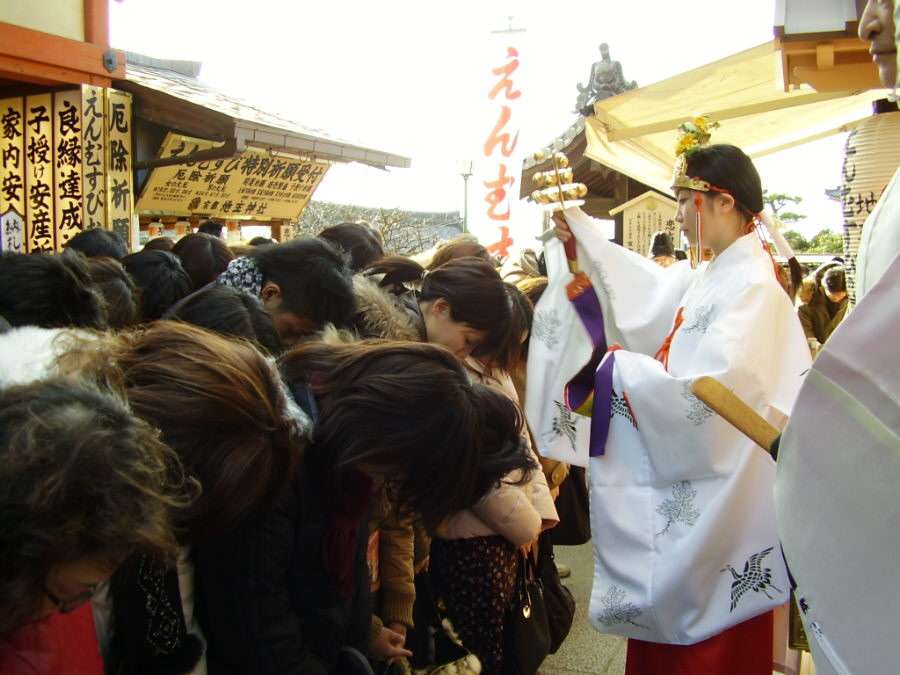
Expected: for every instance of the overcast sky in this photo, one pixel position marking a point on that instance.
(409, 77)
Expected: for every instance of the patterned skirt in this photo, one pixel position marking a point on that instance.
(475, 580)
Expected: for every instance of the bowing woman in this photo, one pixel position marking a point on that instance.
(688, 563)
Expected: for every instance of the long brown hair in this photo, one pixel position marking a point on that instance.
(80, 478)
(220, 404)
(407, 412)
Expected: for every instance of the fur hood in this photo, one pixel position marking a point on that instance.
(383, 315)
(28, 353)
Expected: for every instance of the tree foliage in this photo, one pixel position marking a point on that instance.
(778, 200)
(825, 242)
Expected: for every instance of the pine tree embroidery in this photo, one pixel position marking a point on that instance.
(702, 320)
(616, 609)
(545, 327)
(680, 507)
(564, 424)
(698, 412)
(603, 278)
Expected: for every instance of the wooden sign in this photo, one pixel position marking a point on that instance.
(68, 183)
(12, 175)
(120, 187)
(39, 158)
(252, 184)
(645, 215)
(93, 129)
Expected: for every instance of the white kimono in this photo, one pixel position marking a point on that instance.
(682, 508)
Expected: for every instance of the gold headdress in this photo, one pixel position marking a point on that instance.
(692, 136)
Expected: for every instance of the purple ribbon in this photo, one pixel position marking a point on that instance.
(592, 379)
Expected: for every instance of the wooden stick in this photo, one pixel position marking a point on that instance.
(737, 413)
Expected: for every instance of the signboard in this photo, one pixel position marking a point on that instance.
(252, 184)
(645, 216)
(40, 233)
(119, 179)
(12, 175)
(67, 173)
(93, 109)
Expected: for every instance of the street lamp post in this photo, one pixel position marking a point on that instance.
(465, 170)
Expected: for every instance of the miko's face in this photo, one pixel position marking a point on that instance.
(876, 26)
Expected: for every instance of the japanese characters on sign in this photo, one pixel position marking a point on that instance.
(93, 127)
(12, 172)
(120, 188)
(67, 140)
(503, 171)
(644, 219)
(39, 158)
(251, 184)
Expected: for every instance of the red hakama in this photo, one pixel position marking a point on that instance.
(745, 649)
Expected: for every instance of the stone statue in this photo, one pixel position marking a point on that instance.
(606, 80)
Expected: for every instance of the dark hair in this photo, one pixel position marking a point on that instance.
(356, 240)
(728, 168)
(161, 278)
(463, 246)
(221, 406)
(211, 227)
(661, 245)
(80, 477)
(52, 291)
(118, 291)
(261, 241)
(834, 280)
(204, 257)
(471, 286)
(377, 413)
(159, 244)
(314, 278)
(230, 312)
(509, 355)
(98, 243)
(680, 255)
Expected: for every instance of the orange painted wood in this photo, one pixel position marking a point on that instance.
(96, 22)
(51, 50)
(24, 70)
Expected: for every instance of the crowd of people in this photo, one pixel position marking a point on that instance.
(275, 460)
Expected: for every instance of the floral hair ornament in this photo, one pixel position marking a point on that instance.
(692, 136)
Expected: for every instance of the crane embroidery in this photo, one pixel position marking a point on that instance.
(620, 405)
(755, 578)
(702, 320)
(564, 424)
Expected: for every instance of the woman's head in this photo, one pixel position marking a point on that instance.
(118, 291)
(406, 413)
(661, 245)
(83, 484)
(230, 312)
(356, 240)
(463, 246)
(203, 257)
(513, 350)
(221, 406)
(834, 284)
(876, 26)
(730, 206)
(161, 278)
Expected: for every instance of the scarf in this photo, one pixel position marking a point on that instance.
(244, 274)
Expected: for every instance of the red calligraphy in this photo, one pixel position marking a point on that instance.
(501, 247)
(497, 194)
(496, 138)
(505, 81)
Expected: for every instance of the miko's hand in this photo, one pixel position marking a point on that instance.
(563, 233)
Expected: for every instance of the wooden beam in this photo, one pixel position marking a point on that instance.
(96, 22)
(227, 150)
(624, 133)
(58, 52)
(46, 74)
(177, 114)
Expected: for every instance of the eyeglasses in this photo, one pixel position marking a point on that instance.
(69, 605)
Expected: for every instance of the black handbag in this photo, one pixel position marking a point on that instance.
(558, 599)
(573, 506)
(527, 633)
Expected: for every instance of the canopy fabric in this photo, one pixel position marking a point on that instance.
(636, 132)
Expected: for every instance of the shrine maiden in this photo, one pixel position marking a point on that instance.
(687, 559)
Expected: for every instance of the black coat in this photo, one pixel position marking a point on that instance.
(266, 602)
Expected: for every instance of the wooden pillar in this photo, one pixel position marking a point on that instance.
(96, 22)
